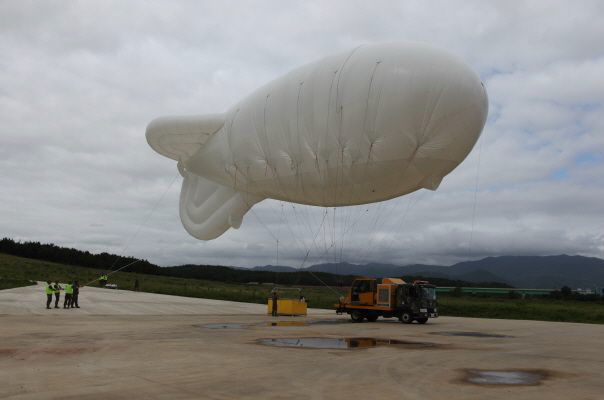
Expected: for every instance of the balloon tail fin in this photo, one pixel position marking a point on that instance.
(208, 209)
(180, 137)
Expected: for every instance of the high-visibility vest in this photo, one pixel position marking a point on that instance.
(49, 290)
(68, 289)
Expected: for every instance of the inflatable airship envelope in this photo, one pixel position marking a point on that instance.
(368, 125)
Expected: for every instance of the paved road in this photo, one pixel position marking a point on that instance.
(125, 345)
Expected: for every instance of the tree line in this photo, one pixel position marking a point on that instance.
(111, 262)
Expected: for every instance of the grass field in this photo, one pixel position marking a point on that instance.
(23, 269)
(9, 283)
(542, 309)
(17, 271)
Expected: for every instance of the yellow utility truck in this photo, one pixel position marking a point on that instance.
(392, 297)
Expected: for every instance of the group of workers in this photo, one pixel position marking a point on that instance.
(71, 289)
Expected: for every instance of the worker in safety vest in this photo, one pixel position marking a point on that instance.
(68, 294)
(75, 294)
(49, 292)
(103, 280)
(57, 289)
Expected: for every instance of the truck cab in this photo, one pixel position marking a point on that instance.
(392, 297)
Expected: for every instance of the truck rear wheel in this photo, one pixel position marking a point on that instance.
(357, 316)
(372, 317)
(406, 318)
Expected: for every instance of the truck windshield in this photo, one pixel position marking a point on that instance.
(428, 293)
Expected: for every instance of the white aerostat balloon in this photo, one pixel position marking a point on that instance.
(371, 124)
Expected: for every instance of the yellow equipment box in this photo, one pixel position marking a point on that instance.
(288, 307)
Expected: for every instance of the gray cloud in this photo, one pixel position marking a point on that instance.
(79, 81)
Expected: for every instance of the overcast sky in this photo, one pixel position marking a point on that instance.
(79, 81)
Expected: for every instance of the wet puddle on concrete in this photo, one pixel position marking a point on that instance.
(230, 325)
(307, 323)
(288, 323)
(330, 321)
(471, 334)
(23, 353)
(7, 352)
(342, 343)
(505, 377)
(223, 326)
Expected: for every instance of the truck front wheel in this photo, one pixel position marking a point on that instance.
(357, 316)
(406, 318)
(422, 320)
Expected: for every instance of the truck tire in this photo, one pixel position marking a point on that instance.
(406, 318)
(422, 320)
(357, 316)
(372, 317)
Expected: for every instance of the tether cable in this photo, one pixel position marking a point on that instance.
(143, 223)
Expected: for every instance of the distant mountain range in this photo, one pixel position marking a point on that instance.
(518, 271)
(545, 272)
